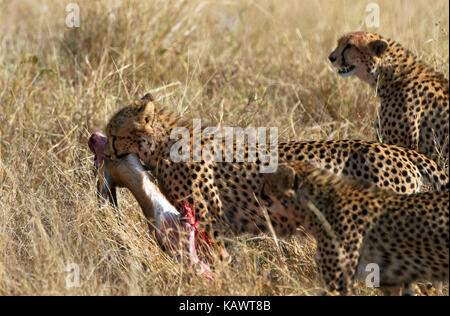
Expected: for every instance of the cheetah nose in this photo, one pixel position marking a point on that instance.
(332, 59)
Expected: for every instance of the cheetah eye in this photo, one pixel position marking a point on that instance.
(140, 109)
(347, 46)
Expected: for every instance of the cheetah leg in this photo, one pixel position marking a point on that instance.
(210, 224)
(411, 139)
(216, 226)
(334, 272)
(208, 211)
(337, 271)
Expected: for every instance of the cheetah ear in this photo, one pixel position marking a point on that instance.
(378, 47)
(146, 111)
(148, 97)
(280, 179)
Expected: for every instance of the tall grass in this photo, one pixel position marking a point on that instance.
(260, 63)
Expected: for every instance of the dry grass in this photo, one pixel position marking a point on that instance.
(232, 62)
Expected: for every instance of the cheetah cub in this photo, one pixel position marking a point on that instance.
(356, 224)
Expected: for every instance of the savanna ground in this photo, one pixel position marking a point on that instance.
(259, 63)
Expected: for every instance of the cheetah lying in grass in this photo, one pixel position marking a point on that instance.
(356, 224)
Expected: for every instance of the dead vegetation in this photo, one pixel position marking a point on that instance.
(260, 63)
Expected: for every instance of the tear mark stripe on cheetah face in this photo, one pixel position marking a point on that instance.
(414, 110)
(358, 224)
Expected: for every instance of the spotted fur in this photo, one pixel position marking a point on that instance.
(356, 224)
(414, 110)
(229, 196)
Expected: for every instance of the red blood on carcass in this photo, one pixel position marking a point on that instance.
(198, 241)
(189, 216)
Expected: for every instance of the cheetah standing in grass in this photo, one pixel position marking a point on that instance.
(229, 196)
(356, 224)
(414, 111)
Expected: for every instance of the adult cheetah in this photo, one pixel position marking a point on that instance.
(414, 110)
(357, 224)
(229, 196)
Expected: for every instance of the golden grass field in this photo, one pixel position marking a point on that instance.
(236, 62)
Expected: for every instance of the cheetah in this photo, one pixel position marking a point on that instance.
(414, 98)
(228, 197)
(356, 224)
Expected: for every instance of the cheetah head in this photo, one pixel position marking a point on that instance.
(286, 184)
(359, 54)
(280, 183)
(134, 129)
